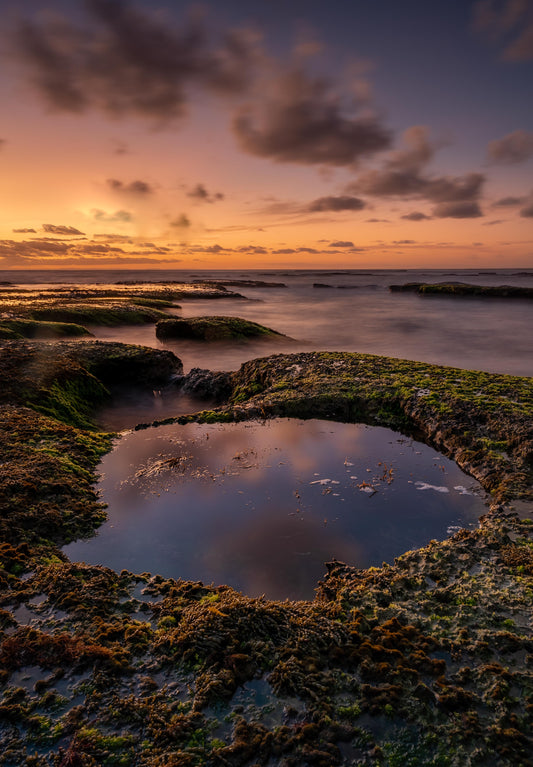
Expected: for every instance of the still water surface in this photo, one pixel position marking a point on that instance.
(262, 506)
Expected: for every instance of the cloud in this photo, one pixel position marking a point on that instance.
(508, 202)
(255, 249)
(181, 222)
(24, 231)
(416, 216)
(125, 60)
(200, 194)
(2, 142)
(114, 238)
(68, 230)
(516, 147)
(510, 21)
(459, 209)
(300, 119)
(493, 222)
(527, 212)
(119, 216)
(404, 174)
(140, 188)
(341, 244)
(335, 204)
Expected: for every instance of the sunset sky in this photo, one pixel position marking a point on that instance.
(295, 133)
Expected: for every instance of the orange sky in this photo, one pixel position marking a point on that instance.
(298, 150)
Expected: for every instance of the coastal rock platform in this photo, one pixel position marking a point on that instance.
(424, 661)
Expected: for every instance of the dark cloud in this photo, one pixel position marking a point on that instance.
(335, 204)
(24, 231)
(527, 212)
(255, 249)
(460, 209)
(404, 242)
(120, 147)
(283, 252)
(140, 188)
(125, 60)
(516, 147)
(508, 202)
(511, 22)
(119, 216)
(68, 230)
(494, 222)
(300, 119)
(341, 244)
(377, 221)
(200, 194)
(38, 252)
(416, 216)
(404, 174)
(181, 222)
(114, 238)
(401, 174)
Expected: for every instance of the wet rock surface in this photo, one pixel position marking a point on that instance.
(214, 328)
(428, 661)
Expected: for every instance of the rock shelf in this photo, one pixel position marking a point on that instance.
(428, 661)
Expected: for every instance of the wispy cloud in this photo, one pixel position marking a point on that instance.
(200, 194)
(404, 174)
(512, 149)
(510, 22)
(118, 217)
(344, 202)
(138, 187)
(61, 229)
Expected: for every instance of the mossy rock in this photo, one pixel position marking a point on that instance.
(102, 313)
(463, 289)
(35, 329)
(213, 329)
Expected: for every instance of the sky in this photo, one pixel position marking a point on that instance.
(159, 134)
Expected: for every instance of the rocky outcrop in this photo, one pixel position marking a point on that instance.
(213, 329)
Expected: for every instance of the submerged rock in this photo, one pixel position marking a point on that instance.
(213, 329)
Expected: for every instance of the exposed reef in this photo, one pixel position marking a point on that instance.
(63, 311)
(463, 289)
(427, 661)
(214, 328)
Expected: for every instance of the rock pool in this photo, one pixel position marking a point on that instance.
(261, 506)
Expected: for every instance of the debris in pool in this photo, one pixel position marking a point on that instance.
(325, 482)
(452, 529)
(462, 490)
(425, 486)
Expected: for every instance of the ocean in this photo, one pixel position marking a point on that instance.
(353, 310)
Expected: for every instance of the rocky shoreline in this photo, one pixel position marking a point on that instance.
(427, 661)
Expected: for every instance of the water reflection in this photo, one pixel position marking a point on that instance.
(261, 507)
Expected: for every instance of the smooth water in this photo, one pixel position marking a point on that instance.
(262, 506)
(356, 313)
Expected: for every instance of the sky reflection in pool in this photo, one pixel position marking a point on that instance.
(262, 506)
